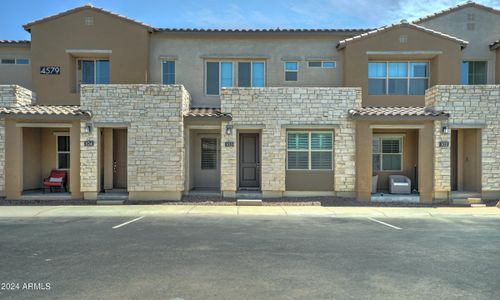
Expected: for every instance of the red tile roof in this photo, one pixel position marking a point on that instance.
(206, 112)
(27, 26)
(403, 23)
(397, 112)
(495, 45)
(46, 110)
(455, 8)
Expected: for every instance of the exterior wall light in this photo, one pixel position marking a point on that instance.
(445, 129)
(229, 129)
(88, 127)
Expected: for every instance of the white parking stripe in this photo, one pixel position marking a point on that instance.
(128, 222)
(384, 223)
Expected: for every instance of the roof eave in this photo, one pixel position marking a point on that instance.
(399, 118)
(11, 116)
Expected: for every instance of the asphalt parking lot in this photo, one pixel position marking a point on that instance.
(251, 257)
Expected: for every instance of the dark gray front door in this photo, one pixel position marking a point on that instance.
(249, 161)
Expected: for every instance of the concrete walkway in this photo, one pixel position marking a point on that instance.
(204, 210)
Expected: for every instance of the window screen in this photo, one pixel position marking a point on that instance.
(244, 74)
(168, 71)
(212, 78)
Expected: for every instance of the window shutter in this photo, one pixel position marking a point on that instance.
(391, 146)
(321, 160)
(321, 141)
(208, 153)
(298, 160)
(298, 141)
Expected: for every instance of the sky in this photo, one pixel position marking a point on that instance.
(234, 14)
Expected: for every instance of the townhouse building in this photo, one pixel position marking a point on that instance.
(145, 113)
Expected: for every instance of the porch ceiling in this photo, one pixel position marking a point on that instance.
(49, 111)
(397, 113)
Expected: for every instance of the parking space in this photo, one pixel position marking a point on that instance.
(237, 257)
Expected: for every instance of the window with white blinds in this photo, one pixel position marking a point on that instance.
(208, 153)
(387, 153)
(309, 150)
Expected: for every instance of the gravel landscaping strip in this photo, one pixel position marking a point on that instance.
(218, 200)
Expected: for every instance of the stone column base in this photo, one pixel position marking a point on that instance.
(148, 196)
(90, 195)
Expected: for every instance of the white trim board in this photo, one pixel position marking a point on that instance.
(45, 125)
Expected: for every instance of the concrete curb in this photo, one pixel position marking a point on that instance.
(214, 210)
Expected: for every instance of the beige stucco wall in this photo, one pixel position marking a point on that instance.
(190, 52)
(153, 115)
(470, 107)
(128, 42)
(270, 111)
(444, 67)
(487, 30)
(497, 65)
(15, 74)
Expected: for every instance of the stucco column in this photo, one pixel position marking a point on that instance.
(425, 162)
(363, 161)
(13, 160)
(74, 164)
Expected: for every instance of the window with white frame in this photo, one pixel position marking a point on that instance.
(398, 78)
(291, 71)
(62, 151)
(309, 150)
(387, 153)
(92, 71)
(322, 64)
(168, 72)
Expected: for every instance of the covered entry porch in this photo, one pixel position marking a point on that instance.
(42, 152)
(395, 153)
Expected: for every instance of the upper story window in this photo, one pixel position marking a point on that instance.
(15, 61)
(92, 71)
(291, 71)
(322, 64)
(473, 72)
(168, 72)
(251, 74)
(221, 74)
(398, 78)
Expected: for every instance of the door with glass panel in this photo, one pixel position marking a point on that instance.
(206, 162)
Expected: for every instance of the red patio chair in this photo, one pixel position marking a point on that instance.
(57, 179)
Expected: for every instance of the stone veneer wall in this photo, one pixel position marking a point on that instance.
(470, 106)
(154, 116)
(272, 109)
(15, 96)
